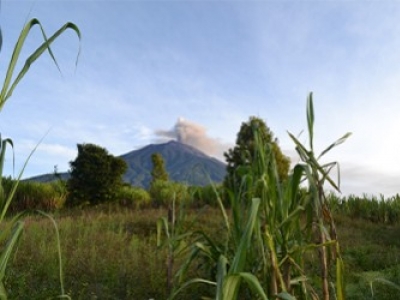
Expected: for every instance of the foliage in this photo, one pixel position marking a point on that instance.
(31, 195)
(283, 226)
(175, 232)
(321, 225)
(131, 267)
(165, 192)
(10, 234)
(205, 195)
(109, 253)
(136, 197)
(241, 157)
(158, 171)
(369, 208)
(96, 176)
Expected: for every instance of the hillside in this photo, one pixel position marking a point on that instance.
(183, 163)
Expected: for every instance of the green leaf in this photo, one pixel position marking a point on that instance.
(285, 296)
(336, 143)
(310, 119)
(9, 85)
(241, 252)
(162, 223)
(339, 279)
(190, 282)
(9, 247)
(231, 287)
(254, 284)
(221, 275)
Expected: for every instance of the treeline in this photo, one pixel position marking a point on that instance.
(370, 208)
(52, 196)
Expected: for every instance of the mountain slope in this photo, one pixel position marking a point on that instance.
(183, 164)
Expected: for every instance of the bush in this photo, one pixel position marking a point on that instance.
(133, 197)
(32, 195)
(164, 192)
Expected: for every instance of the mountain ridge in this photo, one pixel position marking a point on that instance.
(184, 163)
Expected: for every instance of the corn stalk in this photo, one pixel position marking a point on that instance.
(273, 226)
(320, 216)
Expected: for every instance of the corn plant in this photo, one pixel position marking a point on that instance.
(12, 229)
(319, 216)
(176, 229)
(272, 229)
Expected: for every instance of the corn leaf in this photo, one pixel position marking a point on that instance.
(241, 252)
(336, 143)
(310, 119)
(9, 85)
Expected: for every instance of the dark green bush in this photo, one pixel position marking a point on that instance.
(96, 176)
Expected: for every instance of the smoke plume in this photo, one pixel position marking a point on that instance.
(195, 135)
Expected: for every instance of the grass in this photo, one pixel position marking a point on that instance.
(11, 230)
(107, 254)
(111, 253)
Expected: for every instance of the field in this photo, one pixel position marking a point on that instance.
(264, 236)
(110, 252)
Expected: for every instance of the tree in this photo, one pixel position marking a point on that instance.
(242, 153)
(96, 176)
(158, 172)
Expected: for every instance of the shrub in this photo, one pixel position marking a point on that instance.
(134, 197)
(164, 192)
(32, 195)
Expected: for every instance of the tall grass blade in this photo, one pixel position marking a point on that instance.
(254, 284)
(58, 244)
(310, 120)
(6, 204)
(6, 252)
(190, 282)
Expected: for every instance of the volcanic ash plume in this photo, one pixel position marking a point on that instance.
(194, 135)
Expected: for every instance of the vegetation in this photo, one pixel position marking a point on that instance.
(158, 171)
(241, 157)
(30, 195)
(163, 193)
(133, 197)
(111, 252)
(292, 228)
(12, 229)
(286, 228)
(96, 176)
(201, 196)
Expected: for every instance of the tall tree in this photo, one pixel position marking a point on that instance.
(242, 153)
(158, 172)
(96, 176)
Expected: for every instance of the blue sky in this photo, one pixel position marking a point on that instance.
(152, 69)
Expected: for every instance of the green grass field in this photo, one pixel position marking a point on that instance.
(111, 253)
